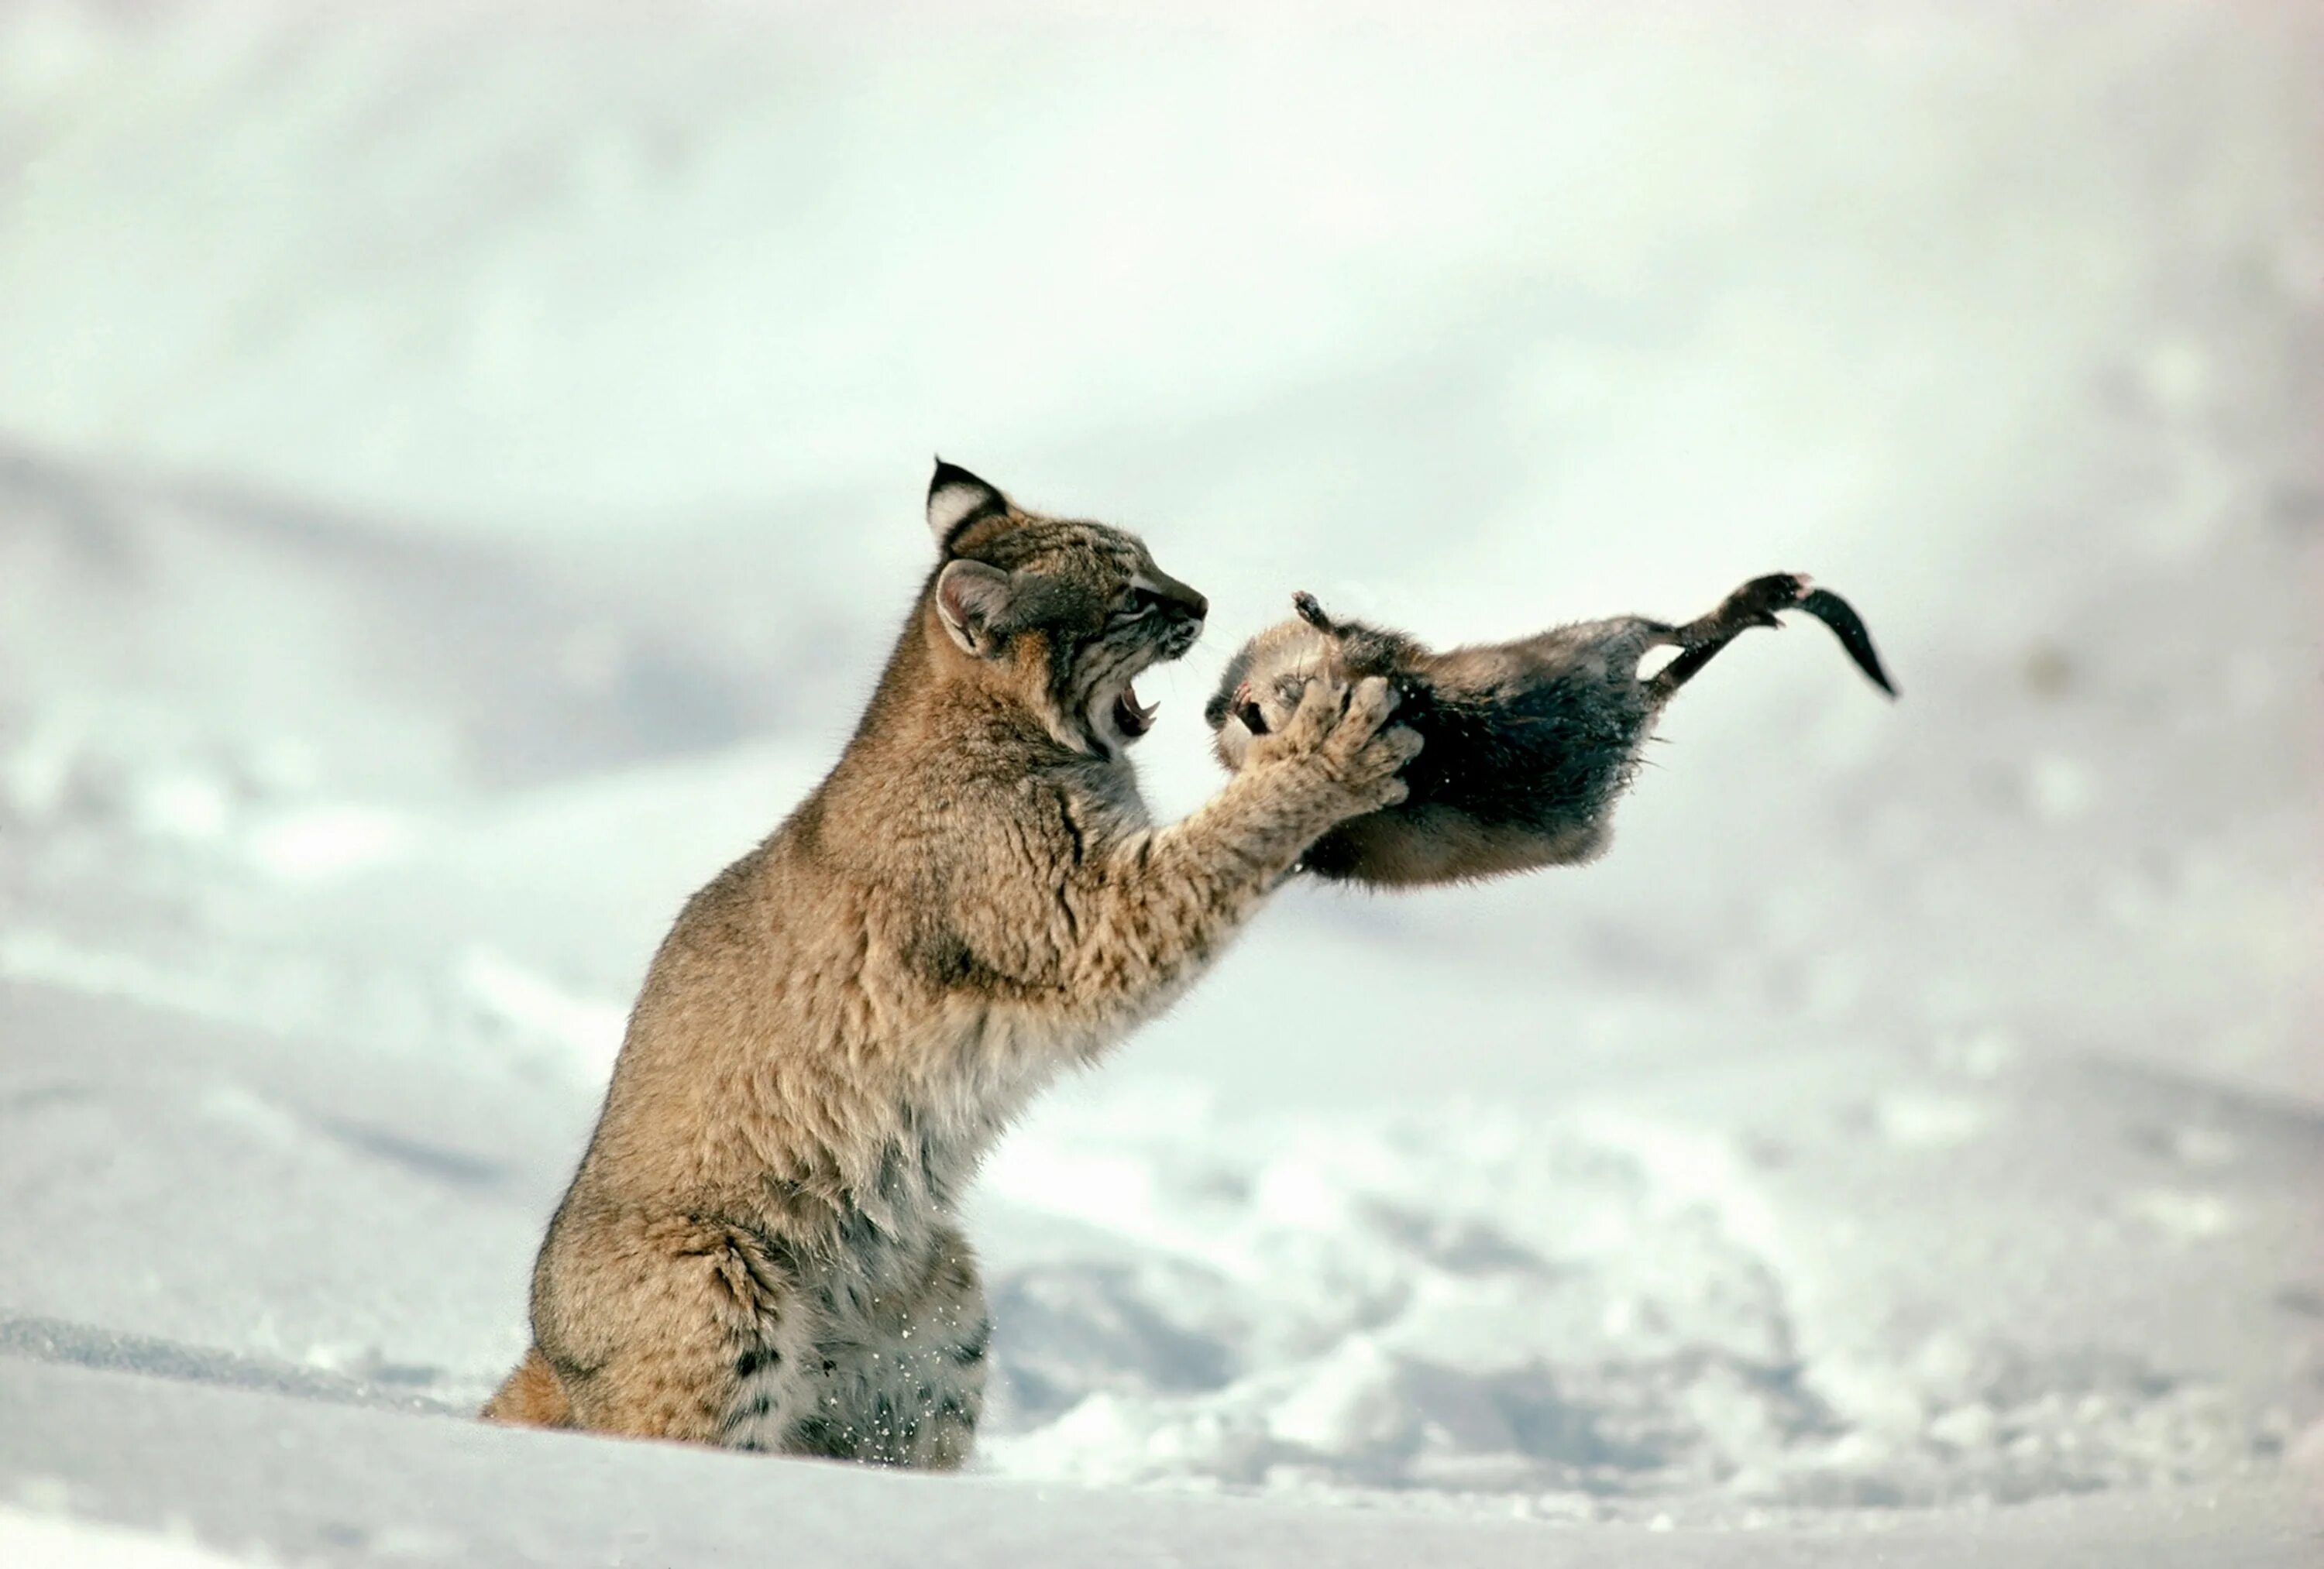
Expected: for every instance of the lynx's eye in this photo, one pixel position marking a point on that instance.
(1141, 603)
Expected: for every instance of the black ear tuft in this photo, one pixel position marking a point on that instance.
(958, 499)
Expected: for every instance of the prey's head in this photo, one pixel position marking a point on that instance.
(1061, 614)
(1263, 682)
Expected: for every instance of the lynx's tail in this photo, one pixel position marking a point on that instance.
(531, 1397)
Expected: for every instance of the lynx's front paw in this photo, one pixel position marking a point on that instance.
(1341, 748)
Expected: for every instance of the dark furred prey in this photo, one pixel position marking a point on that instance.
(1529, 744)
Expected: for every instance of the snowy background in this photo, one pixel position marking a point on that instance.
(460, 473)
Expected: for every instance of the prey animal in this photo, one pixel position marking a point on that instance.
(1528, 745)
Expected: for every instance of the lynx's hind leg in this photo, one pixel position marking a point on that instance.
(530, 1396)
(675, 1327)
(898, 1378)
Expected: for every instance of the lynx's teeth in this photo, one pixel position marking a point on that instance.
(1134, 717)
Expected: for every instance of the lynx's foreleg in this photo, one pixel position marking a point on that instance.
(1154, 908)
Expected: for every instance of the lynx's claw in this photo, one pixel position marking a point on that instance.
(1342, 733)
(1322, 702)
(1366, 752)
(1369, 703)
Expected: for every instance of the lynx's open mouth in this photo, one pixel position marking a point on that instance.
(1132, 718)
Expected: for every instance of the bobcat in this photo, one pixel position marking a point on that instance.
(760, 1248)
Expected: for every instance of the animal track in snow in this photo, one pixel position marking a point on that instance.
(1579, 1319)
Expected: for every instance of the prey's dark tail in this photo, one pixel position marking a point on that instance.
(1754, 604)
(1847, 625)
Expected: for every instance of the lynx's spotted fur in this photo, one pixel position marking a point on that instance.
(760, 1247)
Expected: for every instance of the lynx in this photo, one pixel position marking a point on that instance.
(761, 1248)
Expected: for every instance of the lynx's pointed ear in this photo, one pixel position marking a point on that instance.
(973, 601)
(957, 499)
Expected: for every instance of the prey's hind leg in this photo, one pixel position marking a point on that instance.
(671, 1326)
(1699, 641)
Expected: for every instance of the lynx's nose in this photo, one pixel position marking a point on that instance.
(1180, 600)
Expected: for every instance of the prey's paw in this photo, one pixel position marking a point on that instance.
(1754, 604)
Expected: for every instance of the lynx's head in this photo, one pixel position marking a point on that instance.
(1062, 614)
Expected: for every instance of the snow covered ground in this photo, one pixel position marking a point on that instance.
(459, 476)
